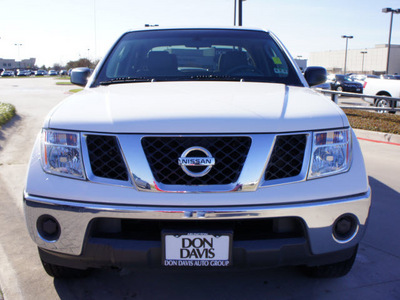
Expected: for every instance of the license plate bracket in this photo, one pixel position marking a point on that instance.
(197, 249)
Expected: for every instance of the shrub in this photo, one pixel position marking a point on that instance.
(7, 111)
(373, 121)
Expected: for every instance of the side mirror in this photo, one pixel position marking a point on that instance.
(315, 75)
(79, 76)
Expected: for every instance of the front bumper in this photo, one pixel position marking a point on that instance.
(75, 245)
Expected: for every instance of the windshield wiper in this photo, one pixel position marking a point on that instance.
(216, 77)
(125, 80)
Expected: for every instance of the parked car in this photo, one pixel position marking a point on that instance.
(41, 73)
(325, 86)
(23, 73)
(361, 77)
(343, 83)
(197, 148)
(389, 76)
(8, 74)
(382, 87)
(63, 73)
(53, 73)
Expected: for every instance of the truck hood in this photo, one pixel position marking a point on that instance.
(196, 107)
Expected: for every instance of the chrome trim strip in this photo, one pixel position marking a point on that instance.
(177, 213)
(88, 169)
(304, 169)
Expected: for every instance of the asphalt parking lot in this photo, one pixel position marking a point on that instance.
(375, 275)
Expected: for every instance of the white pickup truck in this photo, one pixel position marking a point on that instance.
(382, 87)
(197, 148)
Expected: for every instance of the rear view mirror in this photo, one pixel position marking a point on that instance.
(79, 76)
(315, 75)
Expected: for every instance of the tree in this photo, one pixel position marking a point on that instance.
(83, 62)
(57, 67)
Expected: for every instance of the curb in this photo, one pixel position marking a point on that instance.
(379, 137)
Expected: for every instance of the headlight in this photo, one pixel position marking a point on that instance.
(61, 153)
(331, 153)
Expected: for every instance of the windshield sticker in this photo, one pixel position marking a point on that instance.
(281, 71)
(276, 60)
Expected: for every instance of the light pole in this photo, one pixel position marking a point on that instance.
(240, 12)
(347, 37)
(19, 59)
(88, 55)
(234, 13)
(391, 11)
(363, 53)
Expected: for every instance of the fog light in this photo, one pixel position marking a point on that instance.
(345, 228)
(48, 228)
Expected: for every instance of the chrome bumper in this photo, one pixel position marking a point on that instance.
(74, 218)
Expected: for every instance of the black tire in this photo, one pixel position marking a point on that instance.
(339, 88)
(63, 272)
(331, 270)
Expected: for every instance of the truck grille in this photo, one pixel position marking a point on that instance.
(287, 157)
(230, 154)
(105, 157)
(163, 152)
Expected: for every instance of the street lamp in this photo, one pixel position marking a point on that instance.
(347, 37)
(363, 53)
(240, 12)
(19, 59)
(391, 11)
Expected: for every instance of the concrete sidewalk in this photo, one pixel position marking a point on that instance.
(379, 137)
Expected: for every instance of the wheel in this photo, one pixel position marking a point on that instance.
(383, 103)
(339, 89)
(331, 270)
(63, 272)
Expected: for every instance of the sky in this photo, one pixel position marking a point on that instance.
(57, 31)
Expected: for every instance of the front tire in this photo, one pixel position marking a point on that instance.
(63, 272)
(57, 271)
(334, 270)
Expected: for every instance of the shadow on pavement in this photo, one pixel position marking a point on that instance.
(13, 122)
(383, 229)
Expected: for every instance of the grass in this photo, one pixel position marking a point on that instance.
(7, 111)
(64, 83)
(388, 123)
(75, 90)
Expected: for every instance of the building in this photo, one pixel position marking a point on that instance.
(302, 63)
(12, 64)
(372, 62)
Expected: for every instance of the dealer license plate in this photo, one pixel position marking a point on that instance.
(197, 249)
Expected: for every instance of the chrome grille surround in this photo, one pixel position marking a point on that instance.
(250, 178)
(105, 157)
(287, 157)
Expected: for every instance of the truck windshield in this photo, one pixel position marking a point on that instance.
(197, 54)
